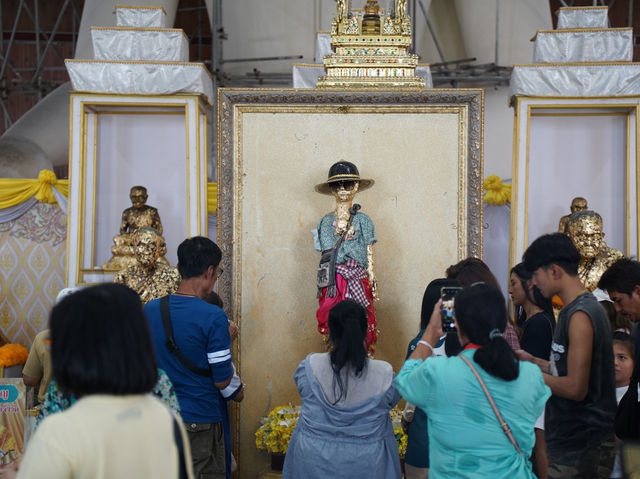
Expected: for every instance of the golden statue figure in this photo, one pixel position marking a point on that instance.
(345, 237)
(585, 230)
(137, 216)
(149, 277)
(577, 204)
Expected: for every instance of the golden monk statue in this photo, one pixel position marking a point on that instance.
(577, 204)
(585, 230)
(149, 277)
(137, 216)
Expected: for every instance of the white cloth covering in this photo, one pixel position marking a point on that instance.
(583, 17)
(140, 77)
(153, 17)
(591, 45)
(575, 79)
(151, 44)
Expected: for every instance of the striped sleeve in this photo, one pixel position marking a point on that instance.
(219, 348)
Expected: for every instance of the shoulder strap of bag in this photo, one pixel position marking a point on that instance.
(177, 437)
(503, 424)
(171, 343)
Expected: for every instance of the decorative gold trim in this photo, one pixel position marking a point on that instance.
(515, 156)
(575, 64)
(582, 8)
(95, 176)
(70, 169)
(188, 163)
(198, 170)
(592, 113)
(141, 8)
(637, 185)
(526, 180)
(586, 30)
(628, 186)
(142, 29)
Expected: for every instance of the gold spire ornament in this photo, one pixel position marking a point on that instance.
(371, 50)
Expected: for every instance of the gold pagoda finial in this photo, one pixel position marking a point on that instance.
(371, 20)
(371, 50)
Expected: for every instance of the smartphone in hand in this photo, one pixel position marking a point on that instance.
(447, 310)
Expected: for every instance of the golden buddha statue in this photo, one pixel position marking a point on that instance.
(149, 278)
(577, 204)
(585, 230)
(137, 216)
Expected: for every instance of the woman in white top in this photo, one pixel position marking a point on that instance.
(102, 353)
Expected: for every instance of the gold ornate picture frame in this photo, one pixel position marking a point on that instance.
(424, 151)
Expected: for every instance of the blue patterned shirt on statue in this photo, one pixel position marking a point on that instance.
(354, 246)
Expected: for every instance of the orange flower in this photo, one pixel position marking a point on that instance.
(12, 354)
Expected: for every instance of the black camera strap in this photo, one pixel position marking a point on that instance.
(171, 343)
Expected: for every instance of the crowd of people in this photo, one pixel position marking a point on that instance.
(133, 391)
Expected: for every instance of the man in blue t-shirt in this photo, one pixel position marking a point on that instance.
(201, 334)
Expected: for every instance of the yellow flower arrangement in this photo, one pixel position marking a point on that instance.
(276, 428)
(496, 192)
(12, 354)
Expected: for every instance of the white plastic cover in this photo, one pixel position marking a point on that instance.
(153, 44)
(102, 76)
(566, 46)
(589, 79)
(323, 46)
(583, 17)
(152, 17)
(306, 76)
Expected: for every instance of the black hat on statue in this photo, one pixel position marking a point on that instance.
(343, 171)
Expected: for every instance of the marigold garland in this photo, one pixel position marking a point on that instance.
(276, 428)
(496, 192)
(12, 354)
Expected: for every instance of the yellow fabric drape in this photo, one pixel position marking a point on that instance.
(212, 198)
(16, 191)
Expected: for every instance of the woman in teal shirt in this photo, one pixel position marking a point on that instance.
(465, 436)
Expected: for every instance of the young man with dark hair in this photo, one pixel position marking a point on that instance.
(580, 371)
(200, 364)
(622, 281)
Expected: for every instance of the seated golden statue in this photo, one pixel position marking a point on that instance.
(585, 230)
(137, 216)
(148, 277)
(577, 204)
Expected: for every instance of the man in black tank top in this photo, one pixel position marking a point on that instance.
(579, 417)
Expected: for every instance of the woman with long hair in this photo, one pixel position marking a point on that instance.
(344, 425)
(534, 313)
(101, 352)
(466, 437)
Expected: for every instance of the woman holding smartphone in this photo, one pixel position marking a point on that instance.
(466, 439)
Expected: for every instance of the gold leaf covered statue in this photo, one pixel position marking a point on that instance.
(585, 230)
(149, 277)
(577, 204)
(346, 237)
(137, 216)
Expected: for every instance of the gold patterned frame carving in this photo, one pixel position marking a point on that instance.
(248, 125)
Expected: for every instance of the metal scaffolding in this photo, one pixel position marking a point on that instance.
(32, 54)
